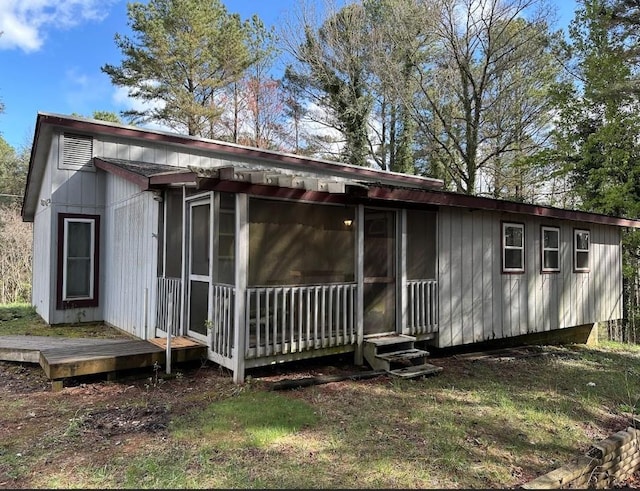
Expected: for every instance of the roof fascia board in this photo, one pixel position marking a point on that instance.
(476, 202)
(35, 173)
(173, 178)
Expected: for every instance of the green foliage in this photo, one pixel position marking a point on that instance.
(598, 128)
(597, 134)
(107, 116)
(183, 54)
(13, 173)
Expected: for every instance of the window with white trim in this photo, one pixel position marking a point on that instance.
(550, 249)
(512, 247)
(78, 260)
(581, 248)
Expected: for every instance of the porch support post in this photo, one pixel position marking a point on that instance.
(183, 284)
(241, 273)
(403, 301)
(359, 354)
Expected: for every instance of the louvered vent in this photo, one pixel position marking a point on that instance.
(77, 151)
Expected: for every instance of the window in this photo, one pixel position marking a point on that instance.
(550, 247)
(78, 237)
(513, 248)
(581, 244)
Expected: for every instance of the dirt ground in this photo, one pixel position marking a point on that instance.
(132, 412)
(92, 415)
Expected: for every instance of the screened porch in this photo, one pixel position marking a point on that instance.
(309, 279)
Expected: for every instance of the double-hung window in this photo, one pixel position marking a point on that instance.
(78, 238)
(581, 247)
(550, 248)
(512, 247)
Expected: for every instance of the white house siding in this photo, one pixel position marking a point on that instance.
(157, 154)
(72, 191)
(44, 254)
(477, 302)
(130, 257)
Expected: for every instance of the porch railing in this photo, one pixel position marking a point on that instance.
(221, 333)
(169, 294)
(422, 296)
(290, 319)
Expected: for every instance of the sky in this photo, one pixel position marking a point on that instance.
(51, 52)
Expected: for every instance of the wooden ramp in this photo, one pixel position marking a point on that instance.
(70, 357)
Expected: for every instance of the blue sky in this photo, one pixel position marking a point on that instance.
(51, 52)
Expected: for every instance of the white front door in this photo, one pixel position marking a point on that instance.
(199, 267)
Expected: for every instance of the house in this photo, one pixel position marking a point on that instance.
(269, 257)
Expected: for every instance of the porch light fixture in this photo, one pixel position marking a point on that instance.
(348, 222)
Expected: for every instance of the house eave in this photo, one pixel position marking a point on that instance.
(37, 163)
(445, 198)
(145, 182)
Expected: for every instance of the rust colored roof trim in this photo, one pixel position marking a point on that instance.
(476, 202)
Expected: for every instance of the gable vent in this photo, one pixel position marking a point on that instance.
(77, 151)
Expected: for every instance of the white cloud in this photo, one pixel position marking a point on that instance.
(24, 23)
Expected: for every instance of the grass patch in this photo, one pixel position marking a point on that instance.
(22, 319)
(251, 419)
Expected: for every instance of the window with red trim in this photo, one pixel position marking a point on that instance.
(78, 239)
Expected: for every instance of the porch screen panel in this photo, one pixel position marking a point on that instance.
(225, 272)
(200, 240)
(300, 243)
(421, 245)
(198, 306)
(173, 204)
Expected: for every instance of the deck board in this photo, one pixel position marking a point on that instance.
(69, 357)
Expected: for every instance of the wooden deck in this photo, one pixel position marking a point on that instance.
(70, 357)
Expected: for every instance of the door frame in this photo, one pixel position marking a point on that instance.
(395, 263)
(201, 199)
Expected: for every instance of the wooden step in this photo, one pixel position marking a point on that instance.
(416, 371)
(397, 356)
(390, 339)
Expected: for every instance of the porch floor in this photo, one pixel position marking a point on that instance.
(62, 358)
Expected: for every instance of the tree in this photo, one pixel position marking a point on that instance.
(185, 52)
(484, 86)
(332, 71)
(399, 35)
(13, 172)
(598, 132)
(15, 235)
(15, 255)
(107, 116)
(253, 108)
(598, 129)
(622, 20)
